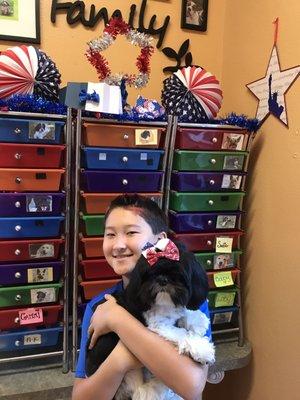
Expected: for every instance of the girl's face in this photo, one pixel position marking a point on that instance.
(125, 235)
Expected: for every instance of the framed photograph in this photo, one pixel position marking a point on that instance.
(20, 20)
(194, 15)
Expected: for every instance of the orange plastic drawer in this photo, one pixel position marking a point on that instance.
(93, 288)
(10, 318)
(222, 279)
(30, 155)
(22, 180)
(97, 203)
(123, 135)
(97, 269)
(92, 247)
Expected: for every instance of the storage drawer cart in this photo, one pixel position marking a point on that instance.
(205, 185)
(34, 235)
(111, 158)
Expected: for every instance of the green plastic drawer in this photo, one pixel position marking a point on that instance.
(222, 298)
(30, 294)
(94, 224)
(218, 261)
(209, 160)
(194, 201)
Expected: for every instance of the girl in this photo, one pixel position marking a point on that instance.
(131, 222)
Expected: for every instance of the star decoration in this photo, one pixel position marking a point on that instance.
(271, 89)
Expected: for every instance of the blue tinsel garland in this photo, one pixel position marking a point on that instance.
(33, 104)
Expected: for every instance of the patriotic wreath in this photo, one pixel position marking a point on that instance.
(115, 27)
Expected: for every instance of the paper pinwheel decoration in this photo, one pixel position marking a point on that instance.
(27, 70)
(193, 94)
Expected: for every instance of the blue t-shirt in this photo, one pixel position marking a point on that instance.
(80, 369)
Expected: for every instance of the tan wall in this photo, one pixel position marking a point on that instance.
(236, 48)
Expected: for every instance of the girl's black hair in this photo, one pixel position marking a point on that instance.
(146, 208)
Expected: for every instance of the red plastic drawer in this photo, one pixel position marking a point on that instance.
(97, 269)
(22, 180)
(92, 247)
(21, 250)
(30, 156)
(205, 241)
(220, 279)
(93, 288)
(10, 318)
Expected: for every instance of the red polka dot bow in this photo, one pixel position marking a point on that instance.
(161, 250)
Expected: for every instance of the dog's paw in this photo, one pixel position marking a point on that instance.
(198, 348)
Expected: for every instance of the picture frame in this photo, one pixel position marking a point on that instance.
(194, 15)
(20, 21)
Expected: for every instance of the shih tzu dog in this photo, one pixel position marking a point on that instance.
(165, 291)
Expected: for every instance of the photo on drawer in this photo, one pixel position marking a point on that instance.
(46, 295)
(38, 203)
(41, 251)
(223, 261)
(146, 136)
(233, 162)
(226, 221)
(231, 182)
(42, 130)
(232, 141)
(35, 275)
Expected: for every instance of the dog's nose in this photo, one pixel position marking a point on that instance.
(162, 280)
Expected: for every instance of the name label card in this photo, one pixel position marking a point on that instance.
(31, 316)
(225, 299)
(224, 244)
(32, 339)
(222, 279)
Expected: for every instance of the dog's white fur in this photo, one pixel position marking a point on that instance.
(184, 328)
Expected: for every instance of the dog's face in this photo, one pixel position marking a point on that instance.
(221, 261)
(234, 180)
(232, 141)
(191, 8)
(45, 250)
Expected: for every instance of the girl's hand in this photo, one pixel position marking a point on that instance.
(103, 318)
(123, 359)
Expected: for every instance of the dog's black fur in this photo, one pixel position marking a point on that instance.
(184, 280)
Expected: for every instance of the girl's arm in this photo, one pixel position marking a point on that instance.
(178, 372)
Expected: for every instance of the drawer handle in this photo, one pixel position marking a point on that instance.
(125, 182)
(126, 136)
(17, 252)
(17, 204)
(214, 140)
(17, 320)
(18, 275)
(211, 182)
(17, 130)
(18, 156)
(209, 222)
(18, 180)
(213, 161)
(18, 228)
(17, 343)
(125, 159)
(208, 262)
(209, 242)
(211, 202)
(18, 297)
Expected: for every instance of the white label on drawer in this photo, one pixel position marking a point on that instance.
(146, 136)
(40, 275)
(226, 221)
(144, 156)
(224, 244)
(232, 141)
(32, 339)
(42, 295)
(41, 130)
(222, 318)
(231, 182)
(44, 250)
(222, 261)
(31, 316)
(233, 162)
(38, 203)
(102, 156)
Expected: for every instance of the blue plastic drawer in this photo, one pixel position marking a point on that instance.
(131, 159)
(14, 228)
(31, 204)
(29, 339)
(20, 274)
(30, 131)
(224, 318)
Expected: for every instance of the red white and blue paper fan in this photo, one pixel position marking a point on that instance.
(193, 94)
(27, 70)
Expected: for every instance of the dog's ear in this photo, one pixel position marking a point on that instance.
(198, 280)
(136, 276)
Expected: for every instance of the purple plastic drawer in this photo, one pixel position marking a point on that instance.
(204, 222)
(30, 204)
(206, 181)
(13, 274)
(119, 181)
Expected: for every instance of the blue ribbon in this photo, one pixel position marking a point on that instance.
(84, 96)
